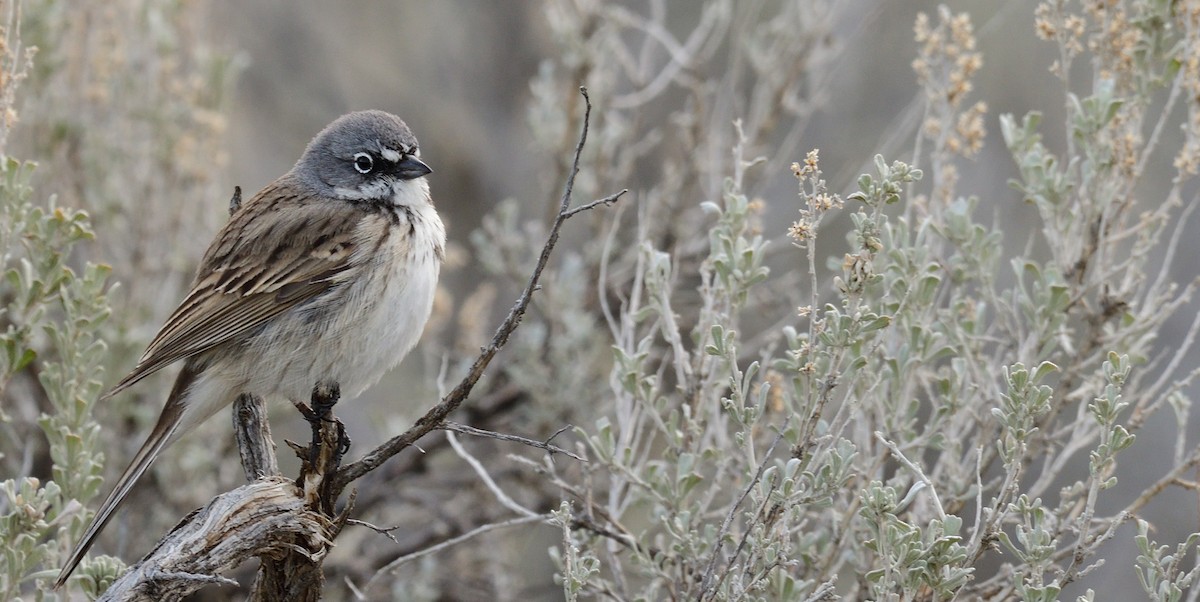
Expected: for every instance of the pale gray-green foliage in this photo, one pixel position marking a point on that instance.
(125, 124)
(908, 434)
(52, 316)
(1162, 573)
(916, 422)
(110, 140)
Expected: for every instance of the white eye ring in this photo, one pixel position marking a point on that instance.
(363, 162)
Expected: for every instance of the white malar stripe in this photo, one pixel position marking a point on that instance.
(376, 189)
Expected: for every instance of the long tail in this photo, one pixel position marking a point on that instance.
(163, 434)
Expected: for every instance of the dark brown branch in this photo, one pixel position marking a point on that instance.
(235, 202)
(542, 445)
(606, 201)
(297, 575)
(437, 415)
(483, 410)
(323, 456)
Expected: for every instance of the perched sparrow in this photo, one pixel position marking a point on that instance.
(326, 275)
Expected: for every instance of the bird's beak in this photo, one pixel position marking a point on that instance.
(411, 167)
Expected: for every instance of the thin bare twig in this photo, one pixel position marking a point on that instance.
(438, 413)
(606, 201)
(384, 531)
(448, 425)
(403, 560)
(916, 470)
(707, 584)
(502, 497)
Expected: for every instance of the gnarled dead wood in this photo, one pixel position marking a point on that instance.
(265, 518)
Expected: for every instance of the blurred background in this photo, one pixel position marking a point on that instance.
(149, 113)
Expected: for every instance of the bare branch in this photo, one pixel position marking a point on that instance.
(543, 445)
(916, 470)
(502, 497)
(384, 531)
(606, 201)
(253, 435)
(403, 560)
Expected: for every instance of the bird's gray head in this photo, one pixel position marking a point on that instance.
(365, 156)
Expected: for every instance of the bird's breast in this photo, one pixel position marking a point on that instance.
(363, 327)
(385, 310)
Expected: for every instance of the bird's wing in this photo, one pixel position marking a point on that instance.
(276, 252)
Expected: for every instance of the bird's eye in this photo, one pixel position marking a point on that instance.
(363, 162)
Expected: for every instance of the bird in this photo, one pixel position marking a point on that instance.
(326, 275)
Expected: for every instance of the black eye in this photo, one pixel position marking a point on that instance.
(363, 162)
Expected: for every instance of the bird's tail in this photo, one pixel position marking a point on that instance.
(163, 434)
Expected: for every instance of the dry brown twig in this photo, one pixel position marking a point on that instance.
(322, 480)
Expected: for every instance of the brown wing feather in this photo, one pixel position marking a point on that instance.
(260, 265)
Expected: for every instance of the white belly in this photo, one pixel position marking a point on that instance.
(351, 336)
(372, 341)
(363, 332)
